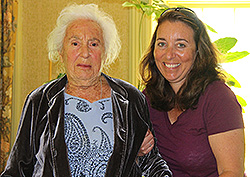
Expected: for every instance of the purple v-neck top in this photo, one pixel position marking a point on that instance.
(184, 144)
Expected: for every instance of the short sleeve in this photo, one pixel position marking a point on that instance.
(222, 112)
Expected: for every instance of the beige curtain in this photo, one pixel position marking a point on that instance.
(8, 27)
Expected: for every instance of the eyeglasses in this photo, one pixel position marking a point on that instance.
(179, 9)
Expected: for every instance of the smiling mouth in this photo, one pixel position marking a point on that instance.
(171, 66)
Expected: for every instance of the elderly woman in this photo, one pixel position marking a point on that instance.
(85, 123)
(196, 117)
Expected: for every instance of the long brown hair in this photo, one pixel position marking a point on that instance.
(204, 71)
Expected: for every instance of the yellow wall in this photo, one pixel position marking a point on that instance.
(36, 19)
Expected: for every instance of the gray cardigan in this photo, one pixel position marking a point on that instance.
(40, 148)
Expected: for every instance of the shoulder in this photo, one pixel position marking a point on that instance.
(218, 93)
(221, 110)
(218, 90)
(217, 85)
(51, 87)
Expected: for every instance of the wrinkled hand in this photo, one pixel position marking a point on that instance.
(147, 144)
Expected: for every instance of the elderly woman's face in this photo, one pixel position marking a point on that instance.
(83, 50)
(174, 52)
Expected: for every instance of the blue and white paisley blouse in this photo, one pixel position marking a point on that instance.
(89, 135)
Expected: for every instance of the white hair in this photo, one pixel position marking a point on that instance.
(90, 11)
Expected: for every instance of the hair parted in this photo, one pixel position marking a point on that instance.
(204, 70)
(89, 11)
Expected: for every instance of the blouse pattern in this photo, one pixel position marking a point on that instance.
(89, 135)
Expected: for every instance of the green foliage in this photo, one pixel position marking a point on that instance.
(242, 102)
(225, 44)
(210, 28)
(234, 56)
(232, 82)
(156, 8)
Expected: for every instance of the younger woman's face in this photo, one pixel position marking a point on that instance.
(175, 51)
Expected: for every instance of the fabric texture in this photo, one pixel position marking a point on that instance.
(40, 148)
(184, 144)
(89, 135)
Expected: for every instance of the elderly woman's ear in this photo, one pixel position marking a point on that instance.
(61, 56)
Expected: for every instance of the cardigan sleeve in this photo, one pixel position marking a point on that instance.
(20, 161)
(152, 164)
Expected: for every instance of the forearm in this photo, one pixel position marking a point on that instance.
(229, 151)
